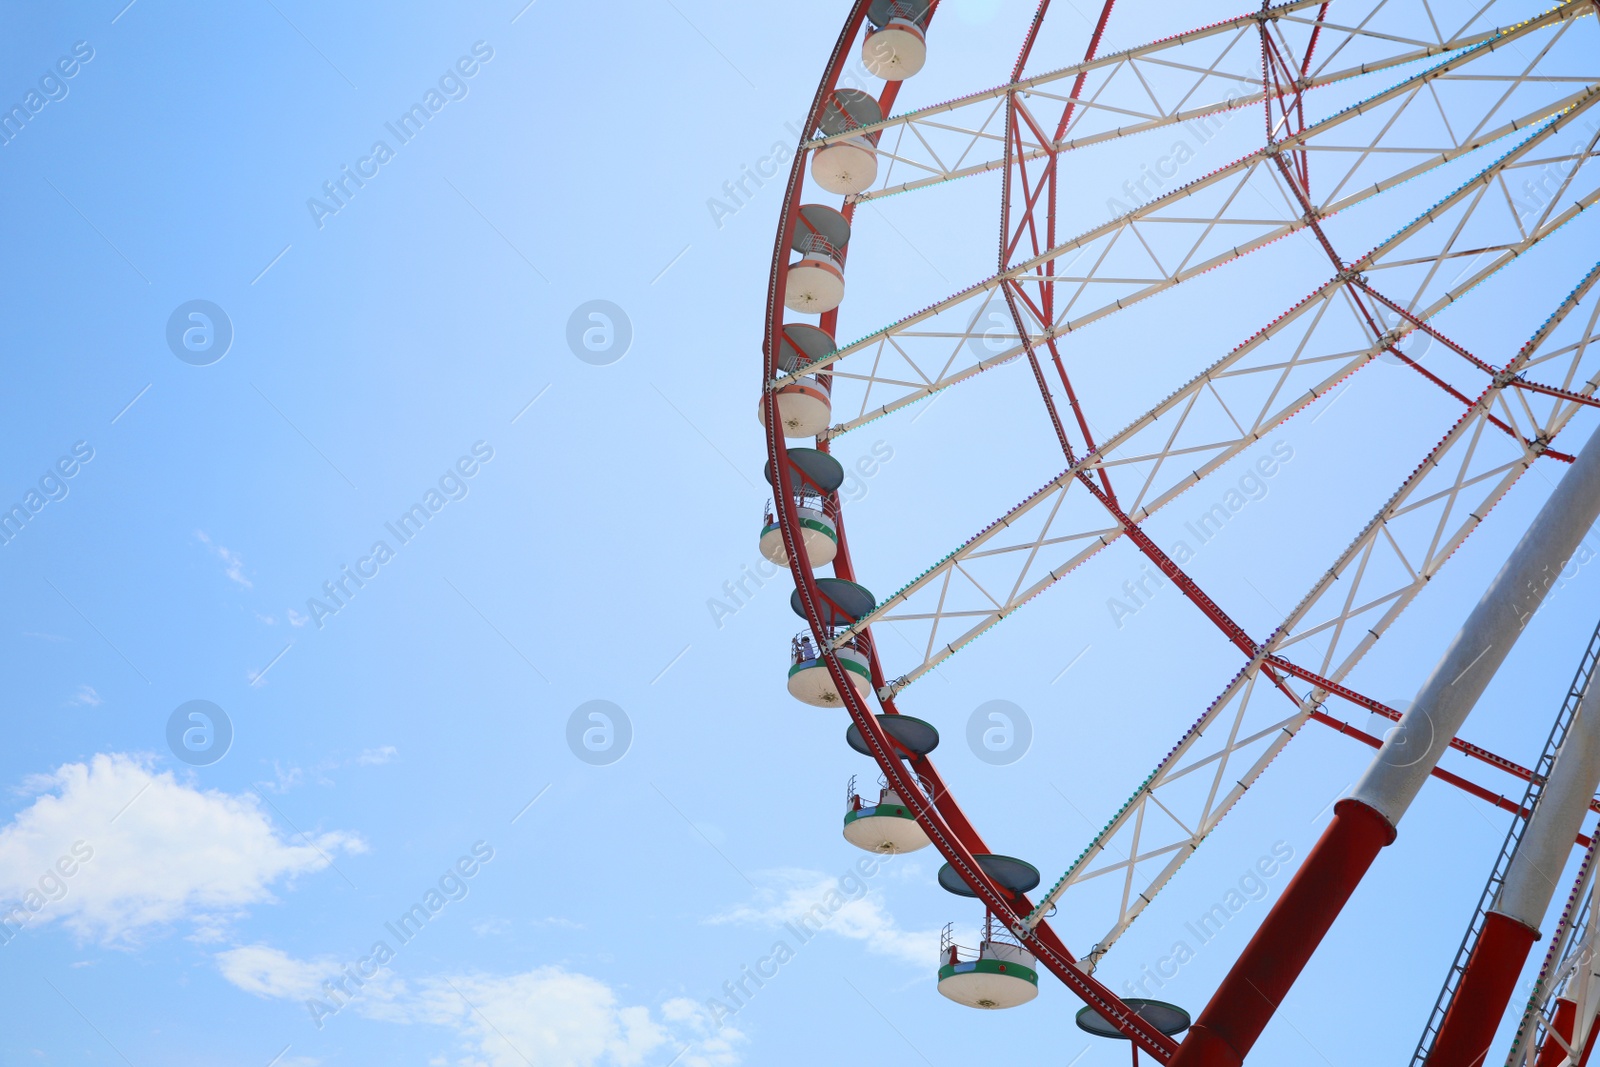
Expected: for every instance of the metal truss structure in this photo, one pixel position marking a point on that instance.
(1470, 145)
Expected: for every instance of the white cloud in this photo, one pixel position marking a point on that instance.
(160, 851)
(374, 756)
(233, 565)
(548, 1017)
(843, 910)
(85, 697)
(295, 618)
(273, 973)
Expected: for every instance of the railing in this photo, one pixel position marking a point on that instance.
(802, 648)
(808, 243)
(908, 12)
(1502, 864)
(837, 119)
(805, 498)
(819, 380)
(950, 952)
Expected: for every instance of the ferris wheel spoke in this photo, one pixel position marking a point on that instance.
(1383, 570)
(1196, 433)
(1580, 379)
(1456, 219)
(1339, 29)
(1085, 527)
(975, 115)
(1188, 235)
(1119, 98)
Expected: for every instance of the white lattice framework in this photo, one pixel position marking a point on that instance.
(1479, 139)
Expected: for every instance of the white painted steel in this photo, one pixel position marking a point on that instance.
(1411, 750)
(1547, 842)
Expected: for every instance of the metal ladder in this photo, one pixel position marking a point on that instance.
(1502, 863)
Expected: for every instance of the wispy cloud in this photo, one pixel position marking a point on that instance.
(232, 564)
(789, 894)
(85, 697)
(547, 1015)
(291, 776)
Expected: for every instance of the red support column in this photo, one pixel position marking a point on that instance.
(1364, 823)
(1243, 1005)
(1486, 987)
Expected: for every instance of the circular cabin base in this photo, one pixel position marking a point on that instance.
(885, 829)
(821, 540)
(810, 682)
(895, 52)
(804, 408)
(845, 167)
(982, 984)
(815, 286)
(1003, 977)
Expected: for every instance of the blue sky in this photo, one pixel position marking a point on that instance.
(586, 520)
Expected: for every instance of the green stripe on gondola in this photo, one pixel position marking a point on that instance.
(849, 665)
(1012, 970)
(810, 524)
(883, 811)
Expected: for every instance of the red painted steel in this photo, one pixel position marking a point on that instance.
(1047, 183)
(1243, 1005)
(1466, 748)
(949, 830)
(1485, 990)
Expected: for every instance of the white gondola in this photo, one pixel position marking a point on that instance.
(896, 45)
(816, 280)
(805, 405)
(819, 533)
(810, 681)
(848, 165)
(838, 604)
(813, 477)
(887, 827)
(999, 974)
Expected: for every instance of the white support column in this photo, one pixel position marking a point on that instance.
(1547, 842)
(1411, 751)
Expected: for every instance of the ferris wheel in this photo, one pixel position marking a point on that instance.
(1421, 163)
